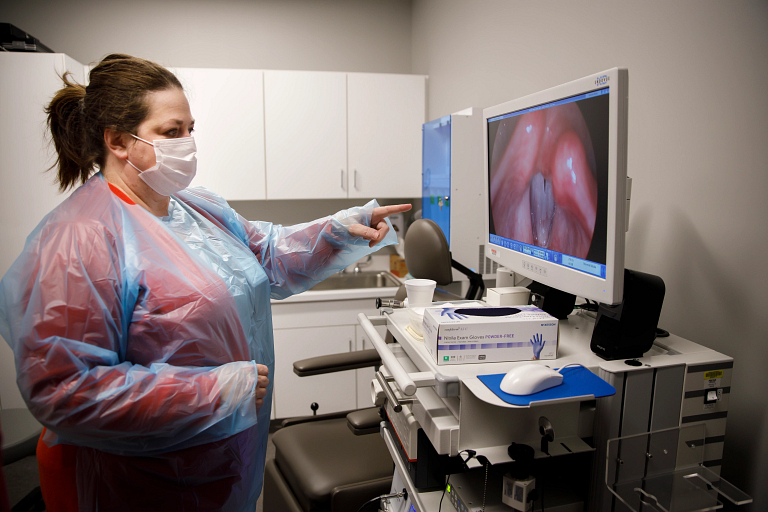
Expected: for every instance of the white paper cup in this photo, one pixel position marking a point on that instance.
(420, 292)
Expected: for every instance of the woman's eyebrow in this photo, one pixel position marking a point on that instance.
(174, 122)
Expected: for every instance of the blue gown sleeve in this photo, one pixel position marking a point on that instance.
(295, 258)
(65, 305)
(298, 257)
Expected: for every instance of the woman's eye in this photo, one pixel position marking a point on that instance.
(191, 130)
(172, 133)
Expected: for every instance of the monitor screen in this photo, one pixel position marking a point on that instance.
(554, 206)
(549, 181)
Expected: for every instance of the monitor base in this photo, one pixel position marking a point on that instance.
(627, 330)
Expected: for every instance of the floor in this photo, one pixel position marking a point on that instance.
(21, 476)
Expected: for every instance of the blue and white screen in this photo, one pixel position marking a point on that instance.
(548, 181)
(436, 174)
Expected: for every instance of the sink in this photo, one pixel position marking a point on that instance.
(357, 280)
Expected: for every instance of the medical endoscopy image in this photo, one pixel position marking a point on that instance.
(548, 177)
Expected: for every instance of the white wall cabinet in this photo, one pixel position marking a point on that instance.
(333, 392)
(228, 108)
(28, 192)
(315, 328)
(385, 115)
(306, 134)
(343, 135)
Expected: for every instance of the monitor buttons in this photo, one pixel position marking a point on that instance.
(536, 269)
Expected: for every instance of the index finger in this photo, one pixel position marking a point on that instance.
(386, 211)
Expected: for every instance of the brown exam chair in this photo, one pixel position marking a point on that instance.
(327, 463)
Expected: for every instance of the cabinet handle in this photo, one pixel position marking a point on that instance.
(342, 179)
(350, 345)
(355, 180)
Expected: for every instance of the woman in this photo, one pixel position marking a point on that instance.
(139, 309)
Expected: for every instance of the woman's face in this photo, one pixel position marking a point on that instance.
(169, 117)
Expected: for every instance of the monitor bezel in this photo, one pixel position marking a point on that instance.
(610, 289)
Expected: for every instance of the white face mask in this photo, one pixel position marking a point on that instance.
(175, 168)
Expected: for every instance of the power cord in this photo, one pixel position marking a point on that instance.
(470, 454)
(447, 483)
(589, 306)
(540, 495)
(560, 371)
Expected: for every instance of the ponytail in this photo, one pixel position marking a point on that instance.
(115, 98)
(67, 128)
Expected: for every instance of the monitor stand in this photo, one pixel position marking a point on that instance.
(627, 330)
(557, 303)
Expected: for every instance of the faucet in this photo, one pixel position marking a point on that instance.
(368, 261)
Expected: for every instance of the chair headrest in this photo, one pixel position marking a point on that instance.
(426, 252)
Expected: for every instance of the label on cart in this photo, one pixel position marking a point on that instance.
(712, 379)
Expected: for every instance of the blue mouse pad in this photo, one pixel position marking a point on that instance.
(577, 381)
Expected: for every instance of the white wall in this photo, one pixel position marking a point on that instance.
(329, 35)
(697, 152)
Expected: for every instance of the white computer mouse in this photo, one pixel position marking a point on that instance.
(527, 379)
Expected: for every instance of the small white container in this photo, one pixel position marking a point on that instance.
(510, 296)
(420, 292)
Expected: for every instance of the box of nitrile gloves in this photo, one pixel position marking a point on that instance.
(460, 335)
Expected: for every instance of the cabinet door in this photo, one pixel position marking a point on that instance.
(28, 192)
(365, 375)
(228, 108)
(385, 117)
(333, 392)
(306, 134)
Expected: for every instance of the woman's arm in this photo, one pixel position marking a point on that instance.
(296, 258)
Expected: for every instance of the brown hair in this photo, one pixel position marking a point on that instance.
(114, 98)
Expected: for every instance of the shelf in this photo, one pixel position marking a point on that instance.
(664, 470)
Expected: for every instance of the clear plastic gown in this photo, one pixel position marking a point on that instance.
(137, 337)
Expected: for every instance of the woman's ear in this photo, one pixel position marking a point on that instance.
(117, 142)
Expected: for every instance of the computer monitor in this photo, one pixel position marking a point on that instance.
(555, 182)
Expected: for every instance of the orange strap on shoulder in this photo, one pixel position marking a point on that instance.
(122, 195)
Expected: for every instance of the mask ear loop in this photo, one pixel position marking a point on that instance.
(142, 140)
(131, 164)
